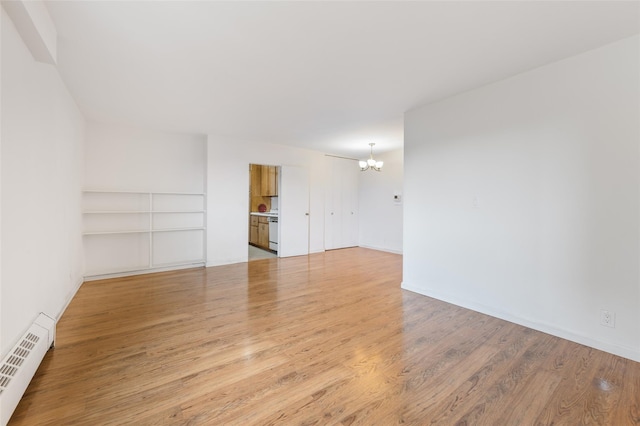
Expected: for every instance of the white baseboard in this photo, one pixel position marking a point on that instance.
(623, 351)
(69, 298)
(227, 262)
(385, 249)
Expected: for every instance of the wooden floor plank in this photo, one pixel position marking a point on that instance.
(328, 338)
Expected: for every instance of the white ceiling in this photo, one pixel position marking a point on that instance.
(329, 76)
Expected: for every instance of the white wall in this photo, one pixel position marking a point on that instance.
(380, 215)
(228, 194)
(522, 198)
(41, 163)
(122, 158)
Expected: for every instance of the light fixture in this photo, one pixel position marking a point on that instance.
(371, 163)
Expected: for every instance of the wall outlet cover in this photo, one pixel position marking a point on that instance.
(607, 318)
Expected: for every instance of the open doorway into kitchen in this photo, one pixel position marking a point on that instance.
(263, 212)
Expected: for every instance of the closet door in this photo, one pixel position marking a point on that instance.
(349, 203)
(341, 203)
(333, 201)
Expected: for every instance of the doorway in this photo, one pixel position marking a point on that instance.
(279, 212)
(263, 215)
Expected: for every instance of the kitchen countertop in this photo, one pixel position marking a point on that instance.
(265, 214)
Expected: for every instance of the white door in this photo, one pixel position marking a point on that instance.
(341, 201)
(294, 211)
(332, 205)
(349, 174)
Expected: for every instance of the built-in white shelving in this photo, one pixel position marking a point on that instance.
(129, 232)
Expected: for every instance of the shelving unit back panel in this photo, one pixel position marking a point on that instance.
(111, 253)
(123, 222)
(116, 201)
(178, 220)
(178, 202)
(170, 248)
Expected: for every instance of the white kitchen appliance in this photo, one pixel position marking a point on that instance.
(273, 233)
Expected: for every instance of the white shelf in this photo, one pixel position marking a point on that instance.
(178, 229)
(195, 263)
(118, 212)
(156, 229)
(133, 231)
(99, 191)
(113, 273)
(141, 231)
(141, 211)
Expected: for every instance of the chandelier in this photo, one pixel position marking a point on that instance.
(370, 163)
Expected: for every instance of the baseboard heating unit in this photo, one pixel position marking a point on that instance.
(21, 363)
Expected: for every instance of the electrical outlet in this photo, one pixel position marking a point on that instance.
(607, 318)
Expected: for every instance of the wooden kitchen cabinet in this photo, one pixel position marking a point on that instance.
(259, 232)
(269, 181)
(253, 230)
(263, 232)
(264, 183)
(256, 179)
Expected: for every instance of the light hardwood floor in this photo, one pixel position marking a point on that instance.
(324, 339)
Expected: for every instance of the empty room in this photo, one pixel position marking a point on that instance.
(320, 212)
